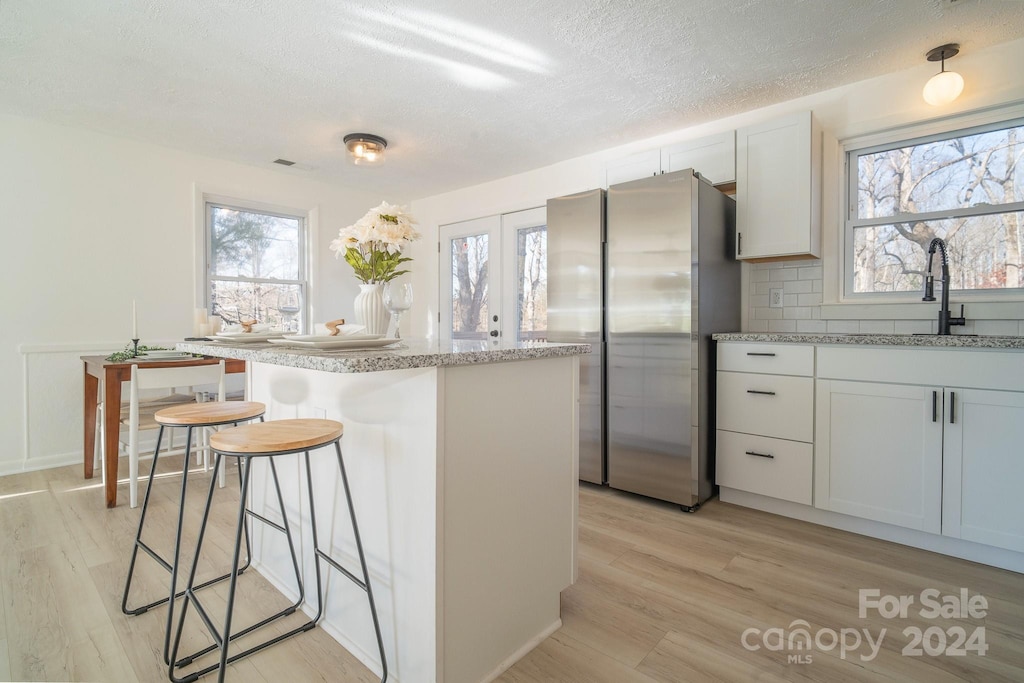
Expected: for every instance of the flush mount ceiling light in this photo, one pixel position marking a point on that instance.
(366, 148)
(945, 86)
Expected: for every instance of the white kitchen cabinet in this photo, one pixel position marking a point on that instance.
(879, 452)
(765, 420)
(983, 467)
(714, 157)
(778, 188)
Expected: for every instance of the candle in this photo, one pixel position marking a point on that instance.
(135, 321)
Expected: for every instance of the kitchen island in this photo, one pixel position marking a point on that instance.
(463, 459)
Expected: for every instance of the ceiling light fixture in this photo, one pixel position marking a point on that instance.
(366, 148)
(945, 86)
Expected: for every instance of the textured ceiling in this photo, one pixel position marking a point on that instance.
(464, 90)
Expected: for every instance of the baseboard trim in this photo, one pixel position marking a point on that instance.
(944, 545)
(45, 462)
(524, 650)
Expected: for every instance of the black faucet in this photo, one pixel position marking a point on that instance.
(945, 319)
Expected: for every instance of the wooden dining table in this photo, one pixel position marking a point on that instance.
(98, 369)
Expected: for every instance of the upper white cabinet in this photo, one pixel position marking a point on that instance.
(778, 188)
(714, 157)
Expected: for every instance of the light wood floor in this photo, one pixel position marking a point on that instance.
(662, 596)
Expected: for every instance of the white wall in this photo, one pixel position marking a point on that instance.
(993, 77)
(92, 221)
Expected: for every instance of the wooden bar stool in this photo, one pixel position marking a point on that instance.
(191, 416)
(268, 439)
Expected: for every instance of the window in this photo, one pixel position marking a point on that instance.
(965, 186)
(256, 265)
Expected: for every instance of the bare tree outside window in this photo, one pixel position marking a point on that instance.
(966, 187)
(469, 287)
(255, 269)
(532, 294)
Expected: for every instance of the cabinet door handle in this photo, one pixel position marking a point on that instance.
(751, 353)
(761, 455)
(952, 407)
(935, 406)
(739, 243)
(763, 393)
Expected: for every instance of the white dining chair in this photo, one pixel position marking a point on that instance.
(142, 379)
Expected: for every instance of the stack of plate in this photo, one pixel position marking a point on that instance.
(247, 337)
(327, 342)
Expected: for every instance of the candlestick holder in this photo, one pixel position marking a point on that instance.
(135, 348)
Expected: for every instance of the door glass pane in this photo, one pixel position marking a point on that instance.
(469, 287)
(532, 283)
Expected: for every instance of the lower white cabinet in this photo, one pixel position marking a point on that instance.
(937, 459)
(983, 467)
(770, 467)
(879, 452)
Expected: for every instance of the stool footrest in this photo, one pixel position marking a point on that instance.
(152, 553)
(308, 626)
(266, 521)
(331, 561)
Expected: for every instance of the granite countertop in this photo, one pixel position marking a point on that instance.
(408, 353)
(952, 340)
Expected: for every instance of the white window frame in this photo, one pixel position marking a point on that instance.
(307, 236)
(839, 303)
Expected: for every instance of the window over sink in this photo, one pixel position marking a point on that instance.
(965, 185)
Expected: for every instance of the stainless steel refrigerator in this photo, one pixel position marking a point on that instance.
(576, 309)
(670, 281)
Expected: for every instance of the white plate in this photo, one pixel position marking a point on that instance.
(335, 343)
(329, 338)
(248, 337)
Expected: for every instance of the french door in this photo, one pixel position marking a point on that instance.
(493, 277)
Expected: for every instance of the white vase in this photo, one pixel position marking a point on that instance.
(370, 309)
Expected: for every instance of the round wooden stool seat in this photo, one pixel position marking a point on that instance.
(209, 414)
(277, 436)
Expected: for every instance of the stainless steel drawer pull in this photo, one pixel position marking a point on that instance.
(751, 353)
(763, 393)
(761, 455)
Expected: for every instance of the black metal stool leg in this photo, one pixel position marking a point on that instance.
(177, 547)
(233, 581)
(362, 562)
(189, 595)
(138, 538)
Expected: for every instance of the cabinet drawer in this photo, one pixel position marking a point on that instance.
(786, 474)
(768, 405)
(771, 359)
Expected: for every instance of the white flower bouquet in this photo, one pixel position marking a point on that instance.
(373, 244)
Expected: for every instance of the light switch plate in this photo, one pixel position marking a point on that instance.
(775, 298)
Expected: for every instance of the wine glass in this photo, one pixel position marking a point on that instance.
(397, 299)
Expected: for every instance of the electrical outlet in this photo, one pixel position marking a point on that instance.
(775, 298)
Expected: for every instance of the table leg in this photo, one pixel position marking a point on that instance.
(112, 424)
(89, 428)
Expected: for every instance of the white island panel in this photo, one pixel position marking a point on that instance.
(464, 482)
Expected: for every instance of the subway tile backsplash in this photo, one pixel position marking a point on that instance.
(801, 283)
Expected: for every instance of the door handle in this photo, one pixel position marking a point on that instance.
(761, 455)
(935, 406)
(763, 393)
(494, 333)
(751, 353)
(952, 407)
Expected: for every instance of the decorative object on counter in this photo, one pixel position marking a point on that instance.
(204, 324)
(398, 299)
(247, 325)
(945, 86)
(332, 326)
(373, 247)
